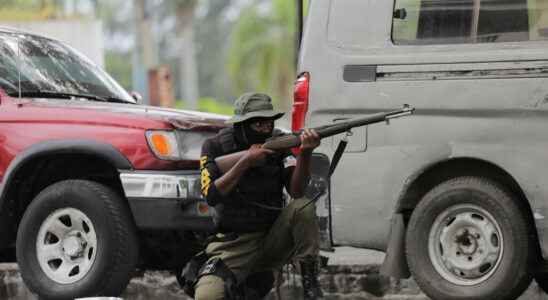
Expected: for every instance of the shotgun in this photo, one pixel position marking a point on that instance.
(291, 140)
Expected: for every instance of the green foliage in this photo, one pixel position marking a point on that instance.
(24, 10)
(261, 57)
(36, 10)
(209, 105)
(115, 21)
(212, 36)
(19, 3)
(118, 65)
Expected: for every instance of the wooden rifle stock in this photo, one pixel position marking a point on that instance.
(292, 140)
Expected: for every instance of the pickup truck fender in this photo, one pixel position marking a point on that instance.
(74, 146)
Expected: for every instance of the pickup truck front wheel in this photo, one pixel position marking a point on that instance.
(467, 239)
(77, 239)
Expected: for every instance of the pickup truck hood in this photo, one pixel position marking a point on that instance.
(120, 114)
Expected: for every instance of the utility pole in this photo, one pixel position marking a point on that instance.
(144, 54)
(187, 61)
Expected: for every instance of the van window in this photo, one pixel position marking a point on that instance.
(425, 22)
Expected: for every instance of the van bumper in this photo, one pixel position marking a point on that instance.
(161, 200)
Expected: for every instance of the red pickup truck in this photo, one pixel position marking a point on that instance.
(92, 185)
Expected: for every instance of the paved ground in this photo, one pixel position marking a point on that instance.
(355, 256)
(160, 285)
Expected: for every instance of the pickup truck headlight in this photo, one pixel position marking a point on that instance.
(177, 145)
(164, 144)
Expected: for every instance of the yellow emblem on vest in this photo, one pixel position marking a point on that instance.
(205, 176)
(203, 161)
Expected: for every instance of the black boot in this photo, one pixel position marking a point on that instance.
(309, 273)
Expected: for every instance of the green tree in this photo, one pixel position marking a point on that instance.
(118, 66)
(213, 30)
(23, 10)
(262, 50)
(20, 3)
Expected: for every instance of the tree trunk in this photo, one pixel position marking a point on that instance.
(189, 80)
(145, 43)
(96, 8)
(188, 72)
(144, 55)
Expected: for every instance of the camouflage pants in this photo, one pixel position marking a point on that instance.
(294, 235)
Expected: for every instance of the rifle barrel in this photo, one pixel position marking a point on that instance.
(325, 131)
(293, 140)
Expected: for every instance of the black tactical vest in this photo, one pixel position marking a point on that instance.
(244, 209)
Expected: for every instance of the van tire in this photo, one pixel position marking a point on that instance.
(467, 239)
(93, 237)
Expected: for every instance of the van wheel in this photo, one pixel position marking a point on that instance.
(77, 239)
(467, 239)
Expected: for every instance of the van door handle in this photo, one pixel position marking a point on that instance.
(360, 73)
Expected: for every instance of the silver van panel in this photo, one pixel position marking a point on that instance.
(511, 134)
(456, 71)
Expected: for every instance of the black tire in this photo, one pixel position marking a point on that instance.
(113, 260)
(480, 202)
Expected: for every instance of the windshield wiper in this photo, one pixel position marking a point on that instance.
(118, 100)
(47, 94)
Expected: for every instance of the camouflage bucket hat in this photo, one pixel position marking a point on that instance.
(253, 105)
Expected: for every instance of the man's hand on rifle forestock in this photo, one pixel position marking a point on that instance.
(310, 140)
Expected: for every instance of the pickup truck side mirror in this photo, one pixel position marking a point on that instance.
(138, 98)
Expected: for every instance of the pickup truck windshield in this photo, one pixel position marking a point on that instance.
(39, 66)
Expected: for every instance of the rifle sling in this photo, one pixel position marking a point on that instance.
(336, 158)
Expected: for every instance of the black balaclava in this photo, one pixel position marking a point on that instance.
(250, 136)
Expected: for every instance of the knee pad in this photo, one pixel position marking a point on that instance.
(210, 288)
(190, 274)
(218, 268)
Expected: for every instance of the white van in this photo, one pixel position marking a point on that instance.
(457, 194)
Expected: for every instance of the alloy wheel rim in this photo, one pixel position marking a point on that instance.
(66, 245)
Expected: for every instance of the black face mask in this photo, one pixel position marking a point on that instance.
(254, 137)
